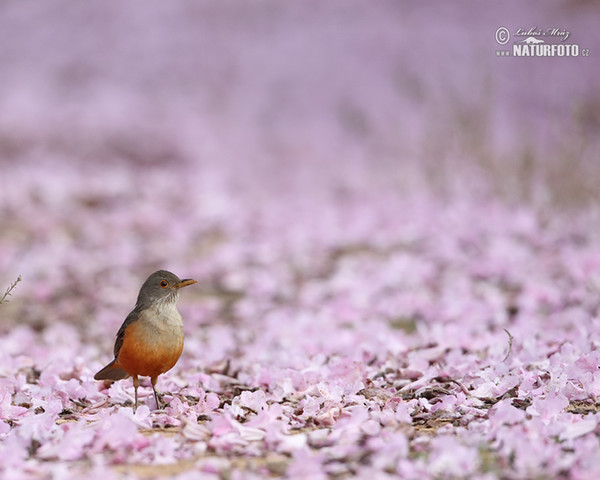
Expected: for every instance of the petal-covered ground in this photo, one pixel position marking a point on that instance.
(370, 336)
(389, 283)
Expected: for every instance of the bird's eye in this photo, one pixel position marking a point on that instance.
(164, 283)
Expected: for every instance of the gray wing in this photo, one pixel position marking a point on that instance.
(110, 372)
(132, 317)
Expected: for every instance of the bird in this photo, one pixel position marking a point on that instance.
(150, 341)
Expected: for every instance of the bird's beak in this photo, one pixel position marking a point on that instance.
(185, 283)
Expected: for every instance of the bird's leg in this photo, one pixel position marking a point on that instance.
(136, 384)
(153, 381)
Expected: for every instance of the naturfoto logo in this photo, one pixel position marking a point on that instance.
(537, 42)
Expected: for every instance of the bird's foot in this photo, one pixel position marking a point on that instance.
(159, 398)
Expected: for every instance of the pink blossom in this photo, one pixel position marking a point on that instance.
(590, 383)
(69, 443)
(160, 451)
(195, 431)
(141, 417)
(578, 429)
(255, 401)
(115, 432)
(7, 410)
(306, 465)
(549, 406)
(505, 413)
(221, 425)
(401, 409)
(449, 457)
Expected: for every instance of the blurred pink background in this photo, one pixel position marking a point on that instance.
(134, 135)
(303, 94)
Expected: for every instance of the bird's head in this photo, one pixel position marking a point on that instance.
(160, 288)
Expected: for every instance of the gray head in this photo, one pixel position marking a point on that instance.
(161, 287)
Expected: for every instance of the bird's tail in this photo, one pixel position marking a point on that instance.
(110, 372)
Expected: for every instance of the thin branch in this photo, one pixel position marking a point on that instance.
(510, 342)
(9, 290)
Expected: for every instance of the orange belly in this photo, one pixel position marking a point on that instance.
(147, 352)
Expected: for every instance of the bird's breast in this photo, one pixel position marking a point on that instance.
(152, 345)
(165, 318)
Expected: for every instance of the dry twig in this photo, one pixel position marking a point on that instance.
(510, 342)
(9, 290)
